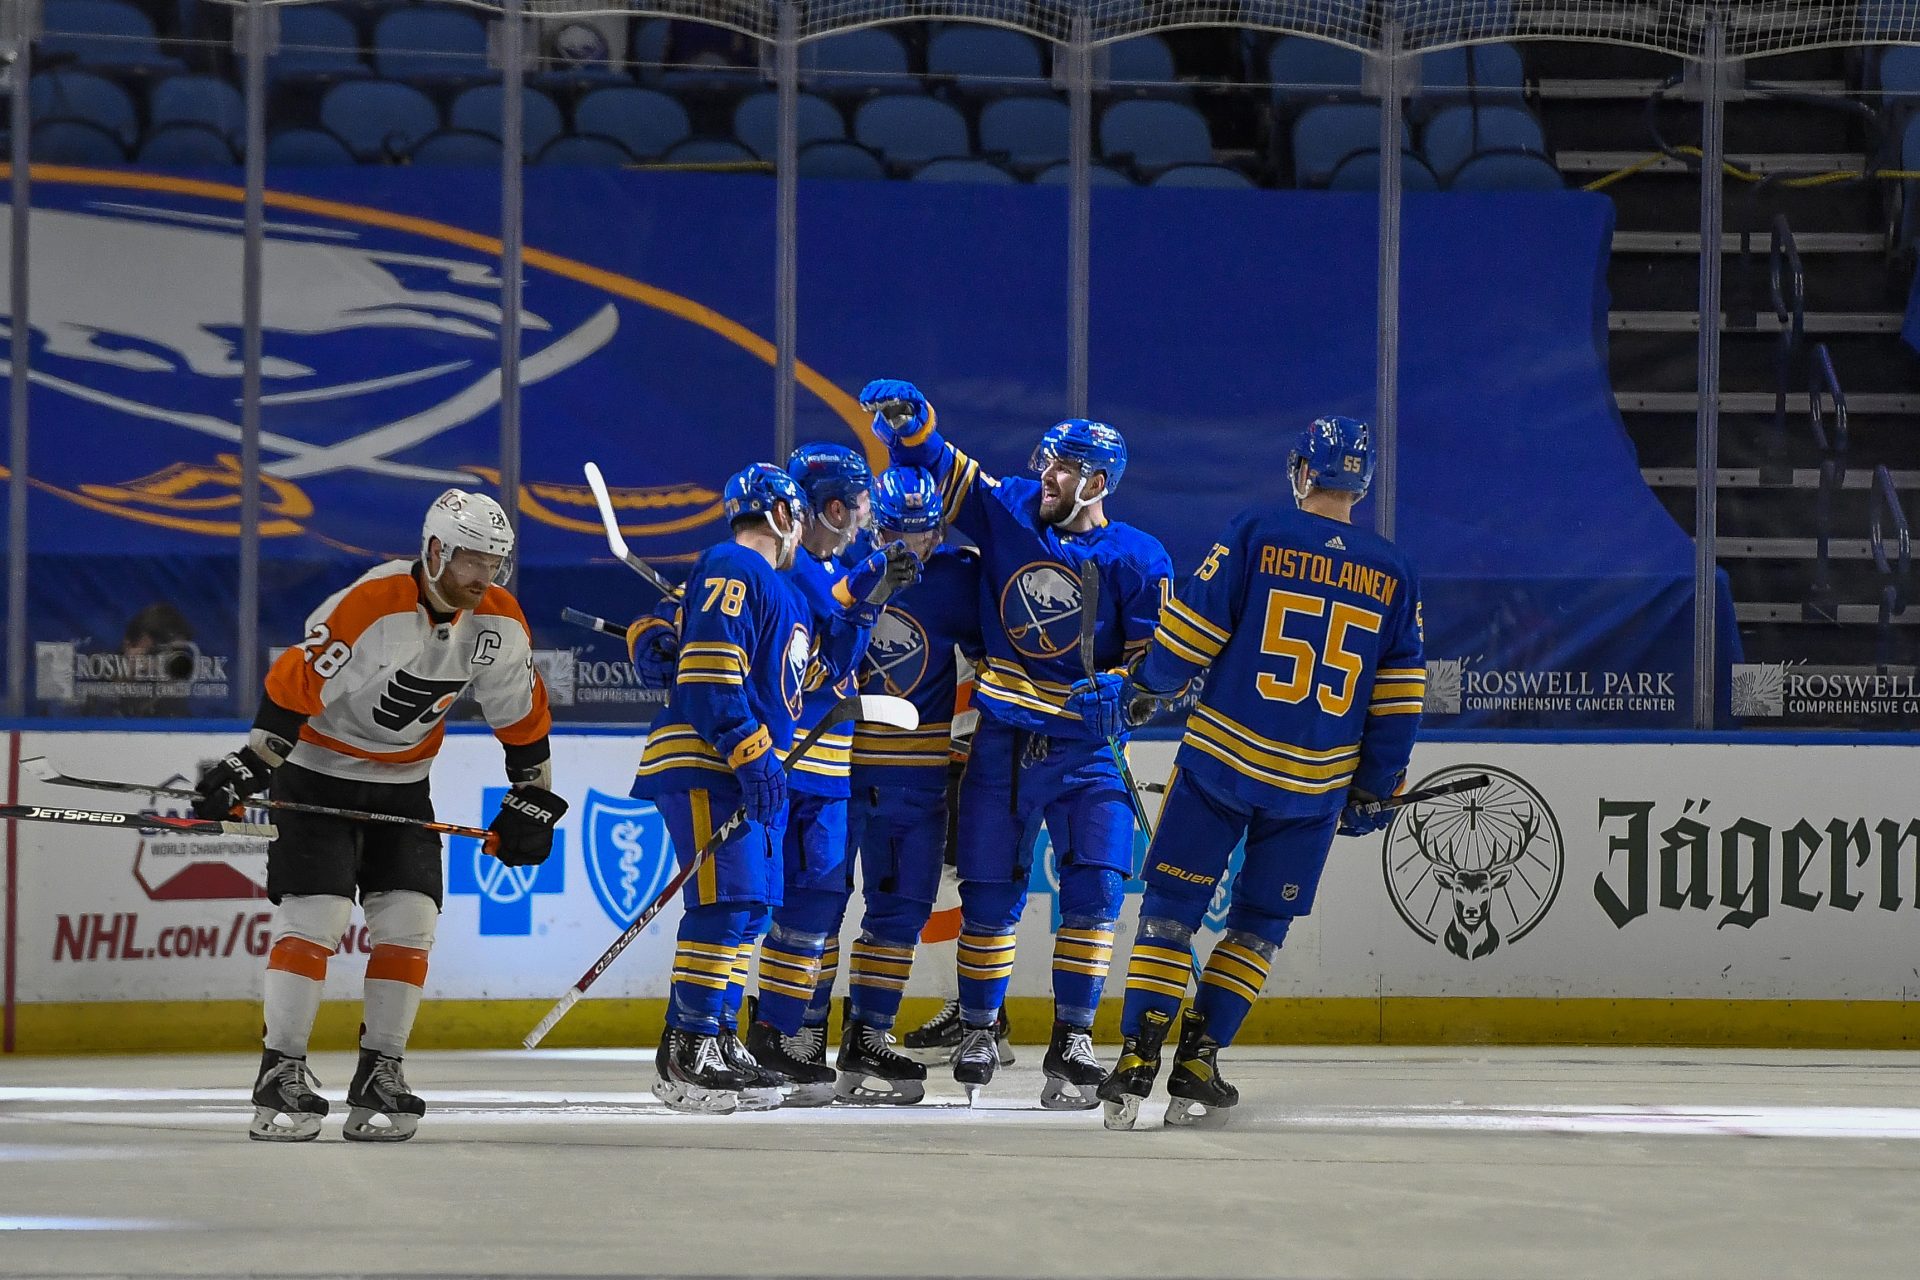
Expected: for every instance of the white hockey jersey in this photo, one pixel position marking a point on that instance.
(376, 676)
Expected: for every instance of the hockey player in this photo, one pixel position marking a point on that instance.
(1309, 631)
(805, 925)
(352, 717)
(1031, 757)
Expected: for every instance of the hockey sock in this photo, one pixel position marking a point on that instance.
(1157, 972)
(1235, 972)
(306, 932)
(703, 960)
(789, 969)
(821, 1005)
(737, 984)
(989, 912)
(880, 971)
(400, 924)
(1082, 953)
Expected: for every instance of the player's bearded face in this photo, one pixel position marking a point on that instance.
(465, 580)
(1060, 488)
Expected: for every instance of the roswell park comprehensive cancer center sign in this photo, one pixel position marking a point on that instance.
(1712, 872)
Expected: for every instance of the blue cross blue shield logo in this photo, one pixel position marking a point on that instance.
(629, 858)
(506, 893)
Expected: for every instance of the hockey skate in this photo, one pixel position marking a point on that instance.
(1197, 1096)
(872, 1070)
(1072, 1072)
(285, 1106)
(1132, 1080)
(936, 1042)
(380, 1107)
(975, 1059)
(694, 1077)
(801, 1058)
(766, 1089)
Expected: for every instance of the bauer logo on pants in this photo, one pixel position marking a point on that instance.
(629, 859)
(1475, 870)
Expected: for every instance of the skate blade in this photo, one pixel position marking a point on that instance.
(364, 1125)
(692, 1101)
(1121, 1115)
(267, 1126)
(768, 1099)
(1185, 1113)
(810, 1095)
(1065, 1095)
(866, 1091)
(973, 1095)
(1006, 1052)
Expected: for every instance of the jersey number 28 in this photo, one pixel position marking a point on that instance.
(1336, 695)
(326, 658)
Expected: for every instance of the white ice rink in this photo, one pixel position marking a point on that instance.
(1473, 1164)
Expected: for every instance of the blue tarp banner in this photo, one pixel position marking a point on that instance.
(1558, 592)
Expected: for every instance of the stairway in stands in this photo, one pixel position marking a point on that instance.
(1594, 104)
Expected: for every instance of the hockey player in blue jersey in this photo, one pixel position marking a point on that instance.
(1031, 756)
(837, 484)
(1308, 630)
(898, 818)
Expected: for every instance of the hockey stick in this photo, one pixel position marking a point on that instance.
(135, 821)
(1089, 618)
(42, 768)
(617, 542)
(878, 708)
(591, 623)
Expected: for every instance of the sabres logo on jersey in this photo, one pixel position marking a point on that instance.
(1040, 609)
(897, 654)
(793, 677)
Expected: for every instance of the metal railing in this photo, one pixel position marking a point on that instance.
(1824, 394)
(1885, 508)
(1787, 289)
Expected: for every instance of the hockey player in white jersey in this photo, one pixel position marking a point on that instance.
(352, 718)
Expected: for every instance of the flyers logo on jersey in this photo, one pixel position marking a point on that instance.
(1040, 608)
(409, 699)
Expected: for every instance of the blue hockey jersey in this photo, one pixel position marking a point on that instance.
(825, 770)
(1310, 633)
(911, 656)
(1030, 590)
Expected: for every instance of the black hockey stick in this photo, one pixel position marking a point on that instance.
(42, 768)
(897, 712)
(134, 821)
(617, 542)
(580, 618)
(1089, 618)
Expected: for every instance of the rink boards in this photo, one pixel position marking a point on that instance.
(1621, 892)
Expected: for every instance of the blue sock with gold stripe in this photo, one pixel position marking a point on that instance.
(985, 966)
(789, 971)
(1082, 953)
(880, 971)
(709, 942)
(820, 1007)
(1157, 972)
(1235, 972)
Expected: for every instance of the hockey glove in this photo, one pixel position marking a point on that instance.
(898, 408)
(1101, 703)
(653, 646)
(756, 767)
(523, 829)
(1363, 816)
(875, 580)
(228, 781)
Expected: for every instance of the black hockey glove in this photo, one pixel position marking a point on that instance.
(523, 829)
(228, 781)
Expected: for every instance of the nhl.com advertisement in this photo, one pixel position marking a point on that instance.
(1600, 871)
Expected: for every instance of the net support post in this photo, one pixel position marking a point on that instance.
(254, 37)
(786, 239)
(1713, 103)
(1390, 69)
(513, 60)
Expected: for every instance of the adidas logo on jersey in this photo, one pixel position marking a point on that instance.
(1336, 544)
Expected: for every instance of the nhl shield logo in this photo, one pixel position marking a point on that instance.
(1040, 608)
(629, 859)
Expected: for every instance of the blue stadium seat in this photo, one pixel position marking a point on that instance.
(1506, 171)
(756, 121)
(964, 170)
(478, 110)
(986, 60)
(1458, 132)
(1899, 75)
(839, 160)
(316, 42)
(585, 150)
(306, 148)
(1058, 175)
(458, 149)
(1028, 131)
(1142, 64)
(710, 151)
(1360, 171)
(429, 42)
(1218, 176)
(1325, 135)
(644, 121)
(861, 61)
(81, 95)
(104, 33)
(58, 141)
(908, 129)
(1478, 73)
(378, 119)
(186, 146)
(201, 100)
(1298, 68)
(1155, 134)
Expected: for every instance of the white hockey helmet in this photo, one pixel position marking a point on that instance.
(471, 520)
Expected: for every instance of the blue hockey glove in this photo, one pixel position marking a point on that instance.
(874, 580)
(1101, 703)
(1362, 816)
(763, 782)
(653, 645)
(898, 409)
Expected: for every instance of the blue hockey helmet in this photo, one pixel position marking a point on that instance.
(829, 471)
(756, 489)
(1339, 453)
(906, 500)
(1095, 446)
